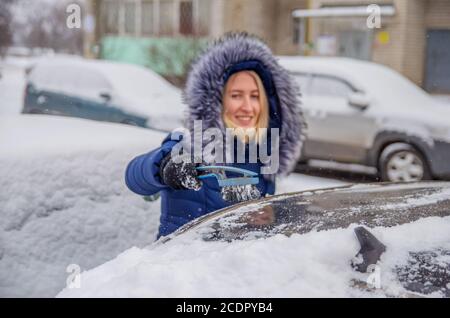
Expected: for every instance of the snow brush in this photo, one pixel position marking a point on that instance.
(248, 177)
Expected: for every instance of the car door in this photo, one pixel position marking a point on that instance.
(336, 130)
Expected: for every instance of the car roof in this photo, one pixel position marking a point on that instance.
(365, 76)
(381, 204)
(117, 73)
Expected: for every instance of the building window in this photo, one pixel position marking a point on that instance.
(111, 16)
(155, 17)
(130, 17)
(148, 18)
(167, 17)
(186, 18)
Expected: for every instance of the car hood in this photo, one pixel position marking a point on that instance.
(198, 262)
(385, 204)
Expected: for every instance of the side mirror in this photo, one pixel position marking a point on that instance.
(106, 97)
(359, 100)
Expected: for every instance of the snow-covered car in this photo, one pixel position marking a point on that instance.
(297, 245)
(104, 91)
(365, 113)
(63, 199)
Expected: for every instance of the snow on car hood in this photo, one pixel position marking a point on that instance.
(316, 264)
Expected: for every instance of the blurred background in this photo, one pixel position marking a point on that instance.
(70, 58)
(164, 35)
(55, 54)
(86, 85)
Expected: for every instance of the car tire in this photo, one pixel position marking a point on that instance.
(401, 162)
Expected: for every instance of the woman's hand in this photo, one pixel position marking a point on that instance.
(180, 175)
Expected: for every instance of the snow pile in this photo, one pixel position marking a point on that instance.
(316, 264)
(64, 199)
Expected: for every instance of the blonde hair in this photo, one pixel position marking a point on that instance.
(263, 117)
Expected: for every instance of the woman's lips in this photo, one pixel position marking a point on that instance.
(244, 120)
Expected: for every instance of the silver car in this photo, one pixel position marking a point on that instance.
(365, 113)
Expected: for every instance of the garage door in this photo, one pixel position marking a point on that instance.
(438, 61)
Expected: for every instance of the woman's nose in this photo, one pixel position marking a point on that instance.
(247, 104)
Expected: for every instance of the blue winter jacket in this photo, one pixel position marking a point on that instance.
(178, 207)
(233, 53)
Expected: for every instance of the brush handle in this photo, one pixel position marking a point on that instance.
(249, 177)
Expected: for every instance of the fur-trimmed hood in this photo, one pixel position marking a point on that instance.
(236, 52)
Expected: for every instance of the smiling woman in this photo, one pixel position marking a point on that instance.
(235, 83)
(245, 101)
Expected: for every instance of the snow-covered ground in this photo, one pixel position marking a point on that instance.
(443, 99)
(64, 200)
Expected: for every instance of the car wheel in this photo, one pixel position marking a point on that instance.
(401, 162)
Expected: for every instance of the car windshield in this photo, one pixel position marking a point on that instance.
(386, 205)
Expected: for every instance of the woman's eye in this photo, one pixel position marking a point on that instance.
(255, 96)
(235, 96)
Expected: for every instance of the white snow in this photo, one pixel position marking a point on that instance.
(12, 87)
(300, 182)
(343, 166)
(133, 88)
(64, 200)
(316, 264)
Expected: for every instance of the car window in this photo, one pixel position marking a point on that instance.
(329, 86)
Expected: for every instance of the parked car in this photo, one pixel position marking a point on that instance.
(419, 271)
(104, 91)
(364, 113)
(371, 240)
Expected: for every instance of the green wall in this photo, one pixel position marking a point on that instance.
(166, 56)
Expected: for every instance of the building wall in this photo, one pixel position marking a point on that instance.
(269, 19)
(405, 50)
(254, 16)
(437, 14)
(414, 41)
(284, 31)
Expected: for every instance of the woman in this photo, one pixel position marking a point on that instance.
(235, 83)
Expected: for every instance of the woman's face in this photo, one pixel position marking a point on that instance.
(241, 101)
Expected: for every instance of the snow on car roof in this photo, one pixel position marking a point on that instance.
(363, 75)
(133, 87)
